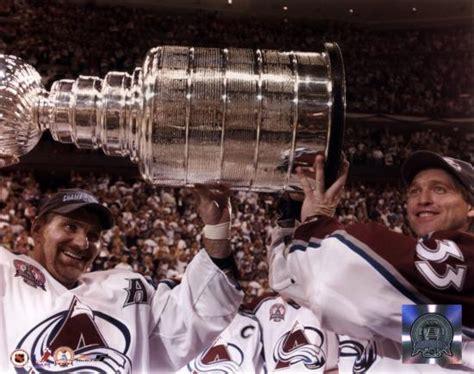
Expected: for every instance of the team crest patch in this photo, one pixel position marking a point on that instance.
(432, 334)
(277, 312)
(32, 276)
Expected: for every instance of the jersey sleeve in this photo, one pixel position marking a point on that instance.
(356, 278)
(187, 318)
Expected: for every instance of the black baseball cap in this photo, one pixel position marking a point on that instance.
(68, 200)
(421, 160)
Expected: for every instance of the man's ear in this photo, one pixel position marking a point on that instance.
(36, 228)
(470, 212)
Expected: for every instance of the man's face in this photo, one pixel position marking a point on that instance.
(67, 245)
(435, 203)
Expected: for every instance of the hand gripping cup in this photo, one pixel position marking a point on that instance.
(189, 115)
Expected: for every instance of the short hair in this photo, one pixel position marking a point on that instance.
(42, 221)
(467, 196)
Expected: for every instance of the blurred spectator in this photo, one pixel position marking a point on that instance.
(124, 263)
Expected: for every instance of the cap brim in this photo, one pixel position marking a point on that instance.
(422, 160)
(106, 218)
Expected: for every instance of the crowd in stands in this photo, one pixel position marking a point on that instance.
(158, 232)
(413, 71)
(383, 146)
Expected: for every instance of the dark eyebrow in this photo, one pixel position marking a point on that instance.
(94, 228)
(434, 181)
(444, 183)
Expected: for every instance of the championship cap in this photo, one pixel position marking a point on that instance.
(420, 160)
(68, 200)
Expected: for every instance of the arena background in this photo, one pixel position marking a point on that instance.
(409, 73)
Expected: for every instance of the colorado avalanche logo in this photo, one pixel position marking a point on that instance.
(364, 356)
(78, 329)
(224, 358)
(30, 274)
(300, 345)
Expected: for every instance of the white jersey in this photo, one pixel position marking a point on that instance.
(293, 340)
(356, 280)
(112, 321)
(236, 350)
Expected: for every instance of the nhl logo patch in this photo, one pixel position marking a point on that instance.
(431, 334)
(31, 275)
(277, 312)
(19, 358)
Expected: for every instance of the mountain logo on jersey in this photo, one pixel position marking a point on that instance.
(222, 358)
(78, 329)
(31, 275)
(365, 356)
(277, 312)
(301, 345)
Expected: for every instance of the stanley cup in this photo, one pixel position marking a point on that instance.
(189, 115)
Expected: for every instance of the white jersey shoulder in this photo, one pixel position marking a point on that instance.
(111, 320)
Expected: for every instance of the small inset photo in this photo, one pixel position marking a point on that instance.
(432, 334)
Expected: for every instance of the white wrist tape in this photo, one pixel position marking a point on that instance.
(217, 232)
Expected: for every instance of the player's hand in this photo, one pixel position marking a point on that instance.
(318, 200)
(213, 203)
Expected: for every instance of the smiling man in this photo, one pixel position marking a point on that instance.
(67, 233)
(356, 278)
(440, 193)
(111, 321)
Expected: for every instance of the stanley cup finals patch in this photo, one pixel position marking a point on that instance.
(432, 334)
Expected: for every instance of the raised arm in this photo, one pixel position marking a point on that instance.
(191, 315)
(214, 208)
(318, 200)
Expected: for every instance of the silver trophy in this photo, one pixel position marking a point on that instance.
(190, 115)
